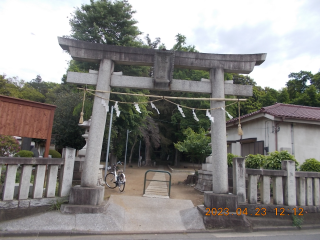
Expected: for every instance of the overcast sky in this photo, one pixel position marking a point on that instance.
(287, 30)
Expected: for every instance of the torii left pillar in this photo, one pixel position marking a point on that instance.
(88, 198)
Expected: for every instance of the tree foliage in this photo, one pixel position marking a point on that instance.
(65, 125)
(105, 22)
(8, 146)
(273, 161)
(230, 158)
(310, 165)
(24, 153)
(196, 145)
(255, 161)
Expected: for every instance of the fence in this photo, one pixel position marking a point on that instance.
(289, 187)
(44, 172)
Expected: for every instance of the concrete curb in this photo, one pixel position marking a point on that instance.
(285, 228)
(180, 171)
(84, 233)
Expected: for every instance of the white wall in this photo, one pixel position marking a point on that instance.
(306, 141)
(284, 136)
(260, 128)
(306, 137)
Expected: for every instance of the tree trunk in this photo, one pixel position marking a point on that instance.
(148, 157)
(131, 152)
(176, 158)
(113, 159)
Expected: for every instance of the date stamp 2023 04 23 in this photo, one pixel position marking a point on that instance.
(258, 212)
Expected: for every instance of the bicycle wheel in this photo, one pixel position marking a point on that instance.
(111, 180)
(121, 182)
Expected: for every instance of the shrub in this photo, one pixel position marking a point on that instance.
(54, 154)
(255, 161)
(230, 159)
(24, 153)
(310, 165)
(8, 146)
(273, 161)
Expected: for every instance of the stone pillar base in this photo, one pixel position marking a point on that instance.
(220, 211)
(85, 200)
(81, 209)
(239, 223)
(204, 181)
(214, 200)
(77, 170)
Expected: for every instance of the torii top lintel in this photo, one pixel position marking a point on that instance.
(94, 52)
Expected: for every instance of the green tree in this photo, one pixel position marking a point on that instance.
(10, 86)
(65, 125)
(310, 97)
(298, 83)
(8, 146)
(242, 79)
(269, 97)
(28, 92)
(253, 103)
(196, 145)
(40, 85)
(154, 44)
(111, 22)
(316, 81)
(151, 136)
(283, 96)
(15, 87)
(105, 22)
(3, 86)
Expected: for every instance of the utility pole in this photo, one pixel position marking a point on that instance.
(125, 155)
(107, 157)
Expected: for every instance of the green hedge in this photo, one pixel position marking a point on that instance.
(310, 165)
(24, 153)
(54, 154)
(255, 161)
(273, 161)
(230, 157)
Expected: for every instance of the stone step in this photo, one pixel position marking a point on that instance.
(157, 189)
(155, 196)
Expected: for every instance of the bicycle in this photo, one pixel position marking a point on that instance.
(114, 179)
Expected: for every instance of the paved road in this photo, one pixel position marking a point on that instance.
(313, 234)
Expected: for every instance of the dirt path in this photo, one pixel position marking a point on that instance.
(134, 185)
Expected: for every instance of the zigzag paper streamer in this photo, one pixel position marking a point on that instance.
(209, 116)
(103, 102)
(195, 116)
(227, 113)
(181, 111)
(116, 107)
(137, 107)
(153, 106)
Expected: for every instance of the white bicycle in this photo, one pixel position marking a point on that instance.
(116, 178)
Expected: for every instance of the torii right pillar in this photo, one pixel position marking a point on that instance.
(218, 133)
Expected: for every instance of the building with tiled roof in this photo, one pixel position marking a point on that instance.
(278, 127)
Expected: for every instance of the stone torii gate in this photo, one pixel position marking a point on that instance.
(163, 62)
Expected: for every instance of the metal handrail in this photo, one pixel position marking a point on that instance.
(145, 175)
